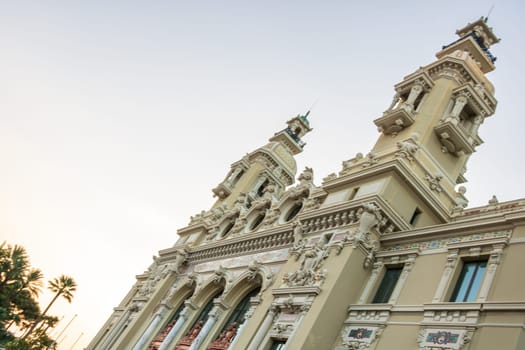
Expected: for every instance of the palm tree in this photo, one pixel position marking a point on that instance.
(62, 286)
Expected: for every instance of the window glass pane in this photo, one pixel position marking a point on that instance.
(278, 345)
(476, 282)
(387, 285)
(464, 281)
(469, 281)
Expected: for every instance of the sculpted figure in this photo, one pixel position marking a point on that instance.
(298, 235)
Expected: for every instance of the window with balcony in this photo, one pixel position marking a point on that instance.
(469, 281)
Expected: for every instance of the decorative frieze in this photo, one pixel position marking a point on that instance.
(443, 243)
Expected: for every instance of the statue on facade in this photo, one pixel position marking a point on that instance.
(308, 273)
(305, 186)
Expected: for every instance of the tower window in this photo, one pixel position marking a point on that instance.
(294, 211)
(388, 283)
(469, 281)
(228, 228)
(258, 221)
(415, 216)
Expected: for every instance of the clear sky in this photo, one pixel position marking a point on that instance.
(118, 117)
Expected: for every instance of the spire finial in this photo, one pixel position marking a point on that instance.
(486, 19)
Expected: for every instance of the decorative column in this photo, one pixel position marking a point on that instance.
(372, 280)
(178, 325)
(262, 178)
(304, 311)
(115, 331)
(247, 317)
(263, 329)
(415, 91)
(460, 102)
(492, 265)
(409, 263)
(210, 322)
(449, 267)
(157, 319)
(476, 124)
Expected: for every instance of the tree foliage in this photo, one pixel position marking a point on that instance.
(20, 313)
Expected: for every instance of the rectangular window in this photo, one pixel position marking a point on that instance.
(415, 216)
(277, 344)
(388, 283)
(469, 281)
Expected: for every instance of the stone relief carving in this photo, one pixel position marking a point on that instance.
(350, 164)
(434, 182)
(371, 159)
(268, 197)
(158, 272)
(305, 185)
(408, 148)
(370, 217)
(309, 272)
(256, 269)
(359, 337)
(449, 339)
(181, 256)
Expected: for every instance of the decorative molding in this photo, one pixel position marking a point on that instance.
(449, 339)
(359, 337)
(471, 239)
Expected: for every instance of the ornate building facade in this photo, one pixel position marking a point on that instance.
(383, 255)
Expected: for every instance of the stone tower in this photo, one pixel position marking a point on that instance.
(382, 255)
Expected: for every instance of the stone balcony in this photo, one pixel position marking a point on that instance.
(455, 139)
(395, 120)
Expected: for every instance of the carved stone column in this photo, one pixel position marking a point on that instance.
(115, 332)
(460, 102)
(263, 329)
(210, 322)
(452, 259)
(178, 325)
(157, 319)
(304, 311)
(492, 265)
(372, 280)
(415, 91)
(247, 316)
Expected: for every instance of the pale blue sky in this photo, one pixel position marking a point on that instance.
(117, 118)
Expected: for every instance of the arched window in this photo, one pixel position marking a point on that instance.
(292, 213)
(236, 319)
(157, 341)
(228, 228)
(258, 220)
(197, 324)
